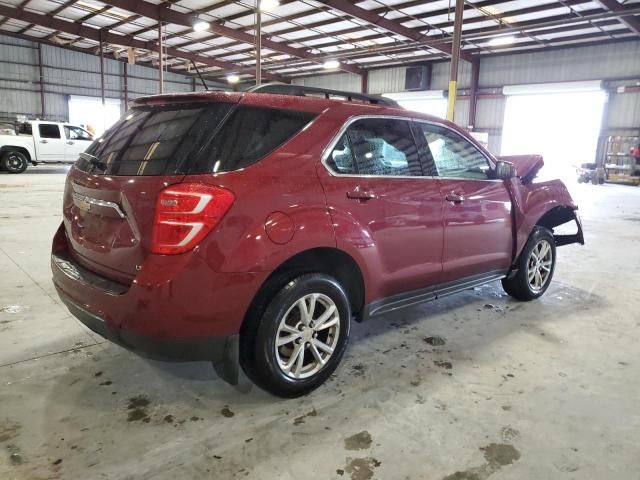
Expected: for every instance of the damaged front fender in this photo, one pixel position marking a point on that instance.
(547, 204)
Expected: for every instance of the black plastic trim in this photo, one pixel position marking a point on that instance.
(407, 299)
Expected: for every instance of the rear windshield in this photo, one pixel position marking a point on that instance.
(191, 139)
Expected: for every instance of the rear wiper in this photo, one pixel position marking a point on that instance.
(93, 161)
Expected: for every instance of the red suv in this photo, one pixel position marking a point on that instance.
(255, 226)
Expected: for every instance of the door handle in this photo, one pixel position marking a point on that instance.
(44, 141)
(454, 197)
(70, 142)
(360, 194)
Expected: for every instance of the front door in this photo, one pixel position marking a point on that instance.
(50, 144)
(385, 212)
(77, 141)
(478, 235)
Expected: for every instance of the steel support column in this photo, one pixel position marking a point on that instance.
(102, 72)
(40, 69)
(126, 86)
(161, 60)
(258, 43)
(364, 81)
(473, 93)
(455, 59)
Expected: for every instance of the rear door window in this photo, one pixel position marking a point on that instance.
(49, 130)
(378, 147)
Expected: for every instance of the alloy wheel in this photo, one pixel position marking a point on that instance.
(307, 335)
(539, 265)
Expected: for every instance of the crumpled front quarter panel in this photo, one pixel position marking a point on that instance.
(532, 201)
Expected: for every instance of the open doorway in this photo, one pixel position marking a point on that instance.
(561, 122)
(89, 113)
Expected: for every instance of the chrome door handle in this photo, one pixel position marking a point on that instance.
(44, 141)
(362, 195)
(454, 197)
(70, 142)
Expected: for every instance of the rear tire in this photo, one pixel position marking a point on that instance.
(536, 265)
(300, 338)
(14, 162)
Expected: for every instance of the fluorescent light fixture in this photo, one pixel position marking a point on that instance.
(266, 5)
(233, 78)
(330, 64)
(200, 25)
(497, 41)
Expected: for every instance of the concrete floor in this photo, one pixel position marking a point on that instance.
(541, 390)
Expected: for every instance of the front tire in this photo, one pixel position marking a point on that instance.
(14, 162)
(535, 267)
(301, 337)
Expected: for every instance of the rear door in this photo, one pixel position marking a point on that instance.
(77, 141)
(385, 211)
(50, 144)
(110, 195)
(478, 235)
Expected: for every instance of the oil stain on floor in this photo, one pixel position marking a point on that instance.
(497, 455)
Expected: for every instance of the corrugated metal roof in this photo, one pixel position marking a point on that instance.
(320, 32)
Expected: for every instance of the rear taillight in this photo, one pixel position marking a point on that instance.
(185, 214)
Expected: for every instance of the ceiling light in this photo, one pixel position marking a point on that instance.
(330, 64)
(266, 5)
(502, 40)
(200, 25)
(233, 78)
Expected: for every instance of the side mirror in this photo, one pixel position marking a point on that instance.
(504, 170)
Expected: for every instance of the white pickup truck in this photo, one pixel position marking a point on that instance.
(41, 142)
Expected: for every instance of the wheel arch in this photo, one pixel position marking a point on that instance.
(328, 260)
(15, 148)
(556, 216)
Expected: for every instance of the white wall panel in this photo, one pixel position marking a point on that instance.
(387, 80)
(67, 73)
(441, 71)
(336, 81)
(624, 111)
(583, 63)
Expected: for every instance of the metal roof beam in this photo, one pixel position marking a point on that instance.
(630, 21)
(90, 33)
(389, 25)
(162, 13)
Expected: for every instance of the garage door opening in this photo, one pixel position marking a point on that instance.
(559, 121)
(89, 113)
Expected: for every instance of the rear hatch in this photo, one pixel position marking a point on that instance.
(111, 191)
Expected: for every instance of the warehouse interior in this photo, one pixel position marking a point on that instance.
(473, 386)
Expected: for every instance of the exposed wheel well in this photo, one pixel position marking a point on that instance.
(556, 216)
(9, 148)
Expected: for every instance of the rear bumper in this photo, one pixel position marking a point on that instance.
(177, 308)
(180, 349)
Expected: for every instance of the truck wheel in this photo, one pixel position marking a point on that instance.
(535, 267)
(14, 162)
(301, 337)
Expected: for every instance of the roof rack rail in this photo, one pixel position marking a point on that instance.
(303, 91)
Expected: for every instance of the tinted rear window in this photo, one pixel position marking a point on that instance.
(198, 138)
